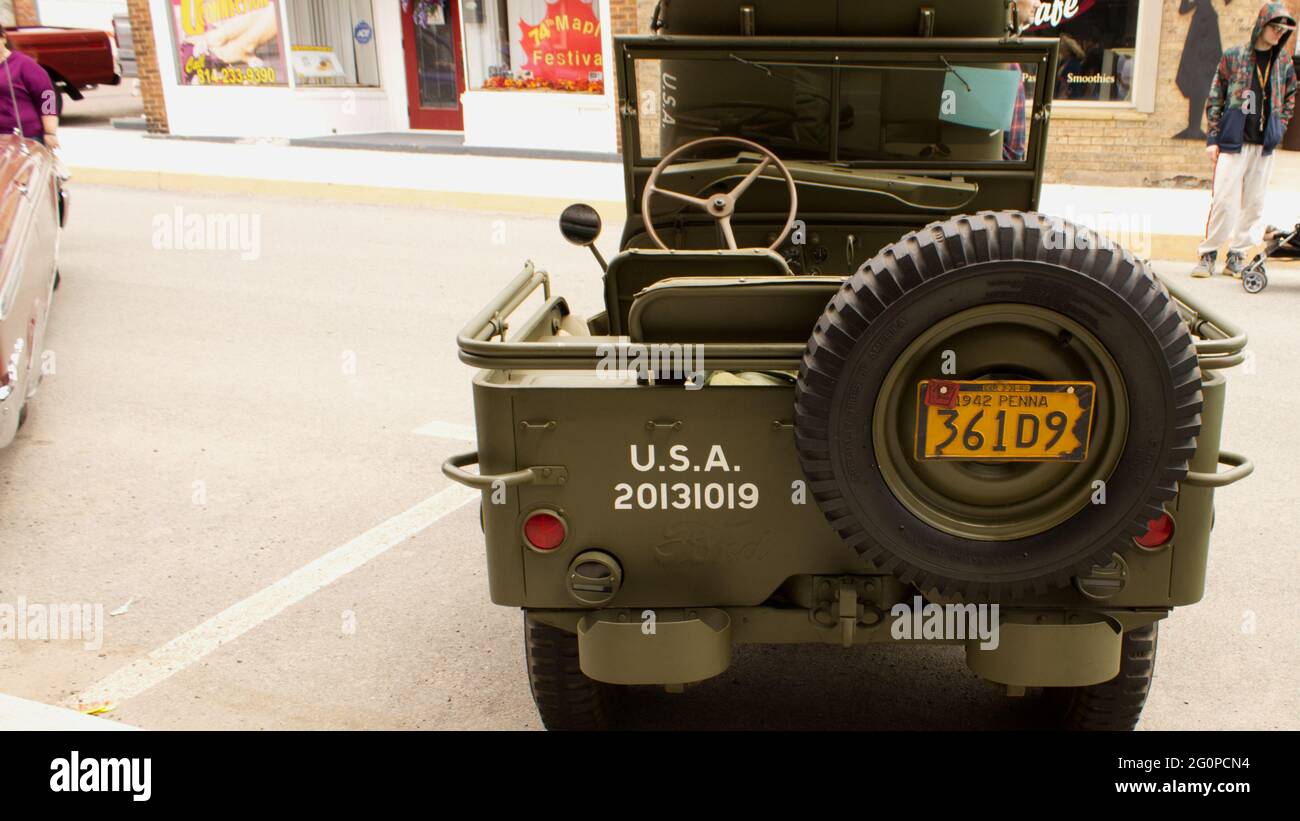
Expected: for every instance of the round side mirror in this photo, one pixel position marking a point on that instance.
(580, 224)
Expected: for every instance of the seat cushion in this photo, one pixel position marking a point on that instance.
(731, 309)
(635, 270)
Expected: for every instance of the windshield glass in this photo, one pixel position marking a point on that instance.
(884, 112)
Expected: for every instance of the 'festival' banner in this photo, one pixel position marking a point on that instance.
(564, 49)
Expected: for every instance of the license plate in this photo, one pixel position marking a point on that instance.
(993, 420)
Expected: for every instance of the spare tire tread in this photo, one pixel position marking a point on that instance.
(934, 251)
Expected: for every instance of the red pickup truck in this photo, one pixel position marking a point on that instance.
(75, 59)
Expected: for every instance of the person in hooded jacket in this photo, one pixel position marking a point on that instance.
(1252, 100)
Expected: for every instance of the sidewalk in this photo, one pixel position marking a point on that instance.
(1159, 223)
(24, 714)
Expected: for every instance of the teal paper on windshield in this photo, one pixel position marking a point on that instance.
(988, 104)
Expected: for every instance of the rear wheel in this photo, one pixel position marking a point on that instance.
(566, 699)
(1115, 704)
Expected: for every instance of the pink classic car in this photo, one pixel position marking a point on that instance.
(32, 210)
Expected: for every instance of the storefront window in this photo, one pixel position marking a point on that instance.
(1098, 46)
(534, 44)
(228, 44)
(332, 43)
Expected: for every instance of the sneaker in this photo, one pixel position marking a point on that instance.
(1205, 267)
(1236, 262)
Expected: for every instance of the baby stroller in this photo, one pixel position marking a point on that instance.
(1277, 242)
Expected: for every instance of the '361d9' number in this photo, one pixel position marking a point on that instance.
(1028, 427)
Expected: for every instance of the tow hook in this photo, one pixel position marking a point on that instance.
(848, 601)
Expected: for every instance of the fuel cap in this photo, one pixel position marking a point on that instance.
(594, 577)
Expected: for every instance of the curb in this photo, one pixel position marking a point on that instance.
(1162, 246)
(610, 211)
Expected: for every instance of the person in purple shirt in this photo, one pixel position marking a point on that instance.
(34, 94)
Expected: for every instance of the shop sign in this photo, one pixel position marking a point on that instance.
(1055, 12)
(315, 62)
(228, 42)
(564, 49)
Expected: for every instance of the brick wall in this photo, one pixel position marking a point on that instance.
(627, 17)
(1133, 148)
(155, 108)
(622, 17)
(25, 13)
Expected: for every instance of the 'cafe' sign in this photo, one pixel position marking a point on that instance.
(1055, 12)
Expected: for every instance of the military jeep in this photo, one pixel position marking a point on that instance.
(848, 379)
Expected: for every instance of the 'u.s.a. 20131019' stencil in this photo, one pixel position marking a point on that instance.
(683, 495)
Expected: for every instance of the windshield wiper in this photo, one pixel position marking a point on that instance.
(955, 74)
(764, 67)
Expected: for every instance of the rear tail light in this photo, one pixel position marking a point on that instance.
(544, 530)
(1159, 532)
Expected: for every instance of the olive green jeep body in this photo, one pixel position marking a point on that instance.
(733, 451)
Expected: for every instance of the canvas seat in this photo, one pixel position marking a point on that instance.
(764, 309)
(635, 270)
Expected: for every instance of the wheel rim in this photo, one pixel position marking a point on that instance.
(999, 501)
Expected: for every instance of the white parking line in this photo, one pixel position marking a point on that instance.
(238, 619)
(446, 430)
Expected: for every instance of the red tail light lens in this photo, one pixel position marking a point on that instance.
(1159, 532)
(544, 530)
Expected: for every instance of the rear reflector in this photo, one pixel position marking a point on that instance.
(544, 530)
(1159, 532)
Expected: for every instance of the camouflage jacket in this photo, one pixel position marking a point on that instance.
(1226, 121)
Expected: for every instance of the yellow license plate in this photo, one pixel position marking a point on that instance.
(993, 420)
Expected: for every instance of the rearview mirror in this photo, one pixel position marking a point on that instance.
(580, 224)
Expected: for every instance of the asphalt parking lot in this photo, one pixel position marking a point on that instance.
(235, 454)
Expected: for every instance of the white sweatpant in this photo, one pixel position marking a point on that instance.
(1237, 208)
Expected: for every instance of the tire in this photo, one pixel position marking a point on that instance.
(565, 698)
(1022, 297)
(1116, 704)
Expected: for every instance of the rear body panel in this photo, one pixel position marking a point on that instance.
(721, 554)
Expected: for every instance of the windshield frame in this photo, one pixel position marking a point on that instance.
(836, 53)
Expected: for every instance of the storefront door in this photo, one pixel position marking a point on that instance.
(434, 68)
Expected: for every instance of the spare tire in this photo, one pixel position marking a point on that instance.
(999, 295)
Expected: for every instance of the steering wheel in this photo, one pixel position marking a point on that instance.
(719, 206)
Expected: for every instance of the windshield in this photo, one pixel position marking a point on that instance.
(929, 108)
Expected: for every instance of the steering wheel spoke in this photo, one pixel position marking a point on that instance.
(749, 178)
(730, 235)
(701, 204)
(721, 206)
